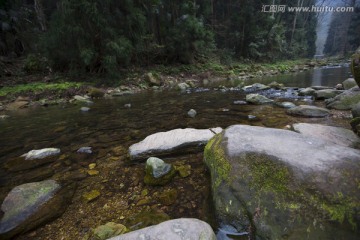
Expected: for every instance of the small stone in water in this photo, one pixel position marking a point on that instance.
(93, 172)
(85, 109)
(92, 165)
(192, 113)
(251, 117)
(85, 150)
(240, 102)
(90, 196)
(128, 105)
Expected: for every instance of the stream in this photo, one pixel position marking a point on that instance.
(111, 126)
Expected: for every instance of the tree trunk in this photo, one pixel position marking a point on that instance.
(39, 10)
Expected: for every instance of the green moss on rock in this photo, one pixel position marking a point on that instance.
(215, 159)
(355, 66)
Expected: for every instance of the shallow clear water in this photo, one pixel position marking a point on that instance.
(109, 123)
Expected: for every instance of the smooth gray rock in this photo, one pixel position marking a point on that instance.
(308, 111)
(307, 92)
(177, 229)
(87, 150)
(192, 113)
(349, 83)
(257, 99)
(41, 153)
(183, 86)
(84, 109)
(284, 184)
(286, 104)
(174, 141)
(327, 93)
(32, 204)
(240, 102)
(255, 87)
(82, 99)
(4, 116)
(344, 101)
(337, 135)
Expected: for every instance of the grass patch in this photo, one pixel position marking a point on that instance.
(38, 87)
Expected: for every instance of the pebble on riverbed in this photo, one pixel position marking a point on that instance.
(192, 113)
(158, 172)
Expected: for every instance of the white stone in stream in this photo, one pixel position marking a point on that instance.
(176, 229)
(41, 153)
(337, 135)
(192, 113)
(163, 143)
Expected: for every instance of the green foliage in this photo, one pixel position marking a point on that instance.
(38, 87)
(35, 63)
(188, 38)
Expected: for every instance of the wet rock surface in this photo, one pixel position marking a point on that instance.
(177, 229)
(278, 182)
(31, 205)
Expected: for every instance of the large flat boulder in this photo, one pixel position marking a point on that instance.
(308, 111)
(281, 184)
(177, 229)
(337, 135)
(174, 141)
(32, 204)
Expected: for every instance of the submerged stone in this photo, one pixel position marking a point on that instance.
(192, 113)
(158, 172)
(109, 230)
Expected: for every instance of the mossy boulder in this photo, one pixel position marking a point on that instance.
(280, 184)
(355, 66)
(32, 204)
(346, 100)
(95, 92)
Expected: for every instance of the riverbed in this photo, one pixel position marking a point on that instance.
(112, 125)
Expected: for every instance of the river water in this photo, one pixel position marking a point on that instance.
(110, 125)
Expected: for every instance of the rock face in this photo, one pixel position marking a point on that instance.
(177, 229)
(257, 99)
(30, 205)
(346, 100)
(308, 111)
(279, 183)
(174, 141)
(337, 135)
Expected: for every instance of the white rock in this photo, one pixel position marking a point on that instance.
(163, 143)
(41, 153)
